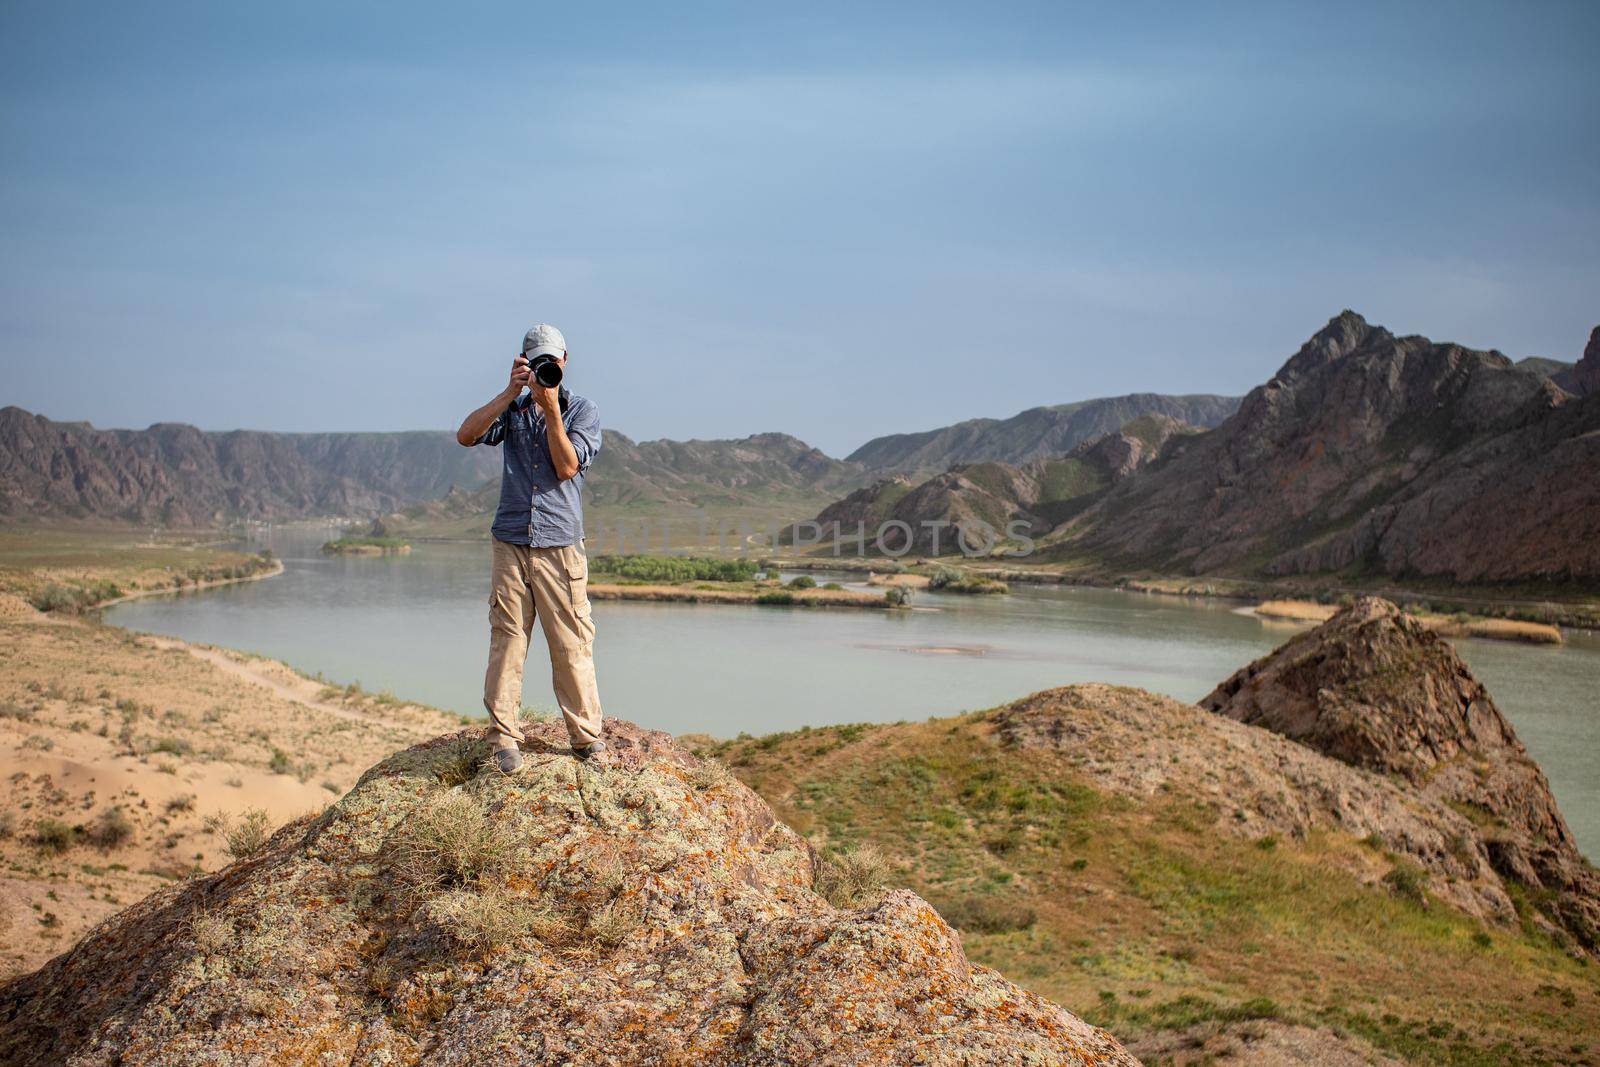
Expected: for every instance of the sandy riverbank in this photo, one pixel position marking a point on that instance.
(175, 590)
(117, 748)
(1454, 613)
(1309, 611)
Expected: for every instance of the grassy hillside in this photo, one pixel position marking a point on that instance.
(1145, 917)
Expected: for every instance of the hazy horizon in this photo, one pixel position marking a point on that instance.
(835, 223)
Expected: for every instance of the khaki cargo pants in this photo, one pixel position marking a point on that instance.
(552, 585)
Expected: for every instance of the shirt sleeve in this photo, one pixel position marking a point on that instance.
(584, 433)
(496, 431)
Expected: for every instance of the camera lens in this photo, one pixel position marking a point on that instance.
(546, 371)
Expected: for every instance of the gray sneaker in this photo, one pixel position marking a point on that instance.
(509, 760)
(595, 754)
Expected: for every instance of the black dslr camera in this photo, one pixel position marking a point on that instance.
(545, 370)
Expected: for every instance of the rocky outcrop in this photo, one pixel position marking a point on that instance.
(1375, 689)
(1037, 433)
(654, 913)
(1585, 376)
(1371, 451)
(1256, 784)
(1133, 446)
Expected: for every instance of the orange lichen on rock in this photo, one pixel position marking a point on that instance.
(653, 913)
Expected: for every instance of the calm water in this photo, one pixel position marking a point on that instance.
(417, 625)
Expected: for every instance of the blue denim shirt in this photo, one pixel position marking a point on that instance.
(536, 507)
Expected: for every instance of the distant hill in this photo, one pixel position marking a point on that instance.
(1369, 452)
(757, 469)
(1029, 499)
(178, 475)
(762, 479)
(1033, 434)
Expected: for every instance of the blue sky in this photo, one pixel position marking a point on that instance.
(831, 220)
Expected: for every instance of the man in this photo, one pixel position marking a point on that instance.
(548, 438)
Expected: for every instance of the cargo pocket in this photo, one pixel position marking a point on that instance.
(578, 581)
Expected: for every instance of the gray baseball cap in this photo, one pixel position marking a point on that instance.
(544, 340)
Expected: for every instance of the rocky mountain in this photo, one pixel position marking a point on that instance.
(715, 473)
(1375, 689)
(1030, 499)
(178, 475)
(1368, 451)
(768, 477)
(656, 913)
(1038, 433)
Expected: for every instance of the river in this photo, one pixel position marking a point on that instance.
(417, 625)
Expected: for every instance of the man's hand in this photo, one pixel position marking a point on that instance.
(548, 399)
(477, 424)
(519, 378)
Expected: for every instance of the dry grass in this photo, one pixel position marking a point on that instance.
(448, 842)
(210, 933)
(460, 761)
(851, 878)
(1538, 633)
(487, 919)
(454, 861)
(244, 835)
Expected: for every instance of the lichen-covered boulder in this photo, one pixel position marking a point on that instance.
(652, 913)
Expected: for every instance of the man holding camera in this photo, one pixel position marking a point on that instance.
(540, 571)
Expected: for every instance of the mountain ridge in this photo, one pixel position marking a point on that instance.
(1370, 451)
(1035, 433)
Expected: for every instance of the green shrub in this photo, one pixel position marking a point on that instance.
(832, 585)
(1407, 881)
(55, 597)
(173, 746)
(897, 596)
(775, 598)
(113, 828)
(362, 542)
(947, 580)
(280, 762)
(804, 581)
(676, 568)
(53, 835)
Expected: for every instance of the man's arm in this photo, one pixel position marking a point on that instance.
(475, 425)
(570, 452)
